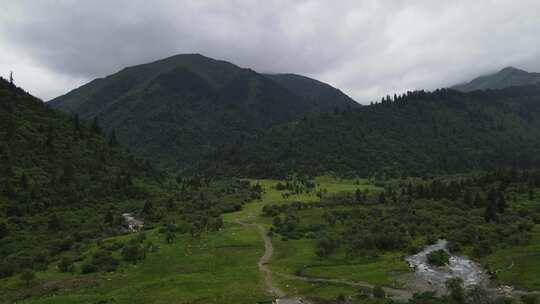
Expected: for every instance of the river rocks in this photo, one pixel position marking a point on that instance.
(429, 277)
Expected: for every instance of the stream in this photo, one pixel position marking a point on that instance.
(133, 224)
(435, 277)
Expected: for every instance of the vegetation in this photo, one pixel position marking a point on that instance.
(58, 179)
(82, 220)
(438, 258)
(415, 134)
(507, 77)
(64, 186)
(177, 110)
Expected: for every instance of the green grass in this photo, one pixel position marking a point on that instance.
(379, 271)
(217, 268)
(292, 256)
(520, 265)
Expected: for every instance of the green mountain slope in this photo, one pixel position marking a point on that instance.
(507, 77)
(418, 134)
(58, 179)
(326, 97)
(180, 108)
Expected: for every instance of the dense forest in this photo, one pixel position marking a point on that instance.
(481, 212)
(339, 187)
(415, 134)
(179, 109)
(65, 185)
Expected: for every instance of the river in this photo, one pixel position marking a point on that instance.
(435, 277)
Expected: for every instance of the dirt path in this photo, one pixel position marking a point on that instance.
(265, 258)
(269, 251)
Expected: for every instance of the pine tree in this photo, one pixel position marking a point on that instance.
(96, 129)
(501, 203)
(28, 276)
(76, 122)
(24, 182)
(382, 198)
(358, 195)
(467, 198)
(113, 142)
(478, 201)
(490, 214)
(147, 208)
(109, 218)
(50, 137)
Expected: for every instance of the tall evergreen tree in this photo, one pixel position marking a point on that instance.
(490, 214)
(501, 203)
(113, 142)
(96, 129)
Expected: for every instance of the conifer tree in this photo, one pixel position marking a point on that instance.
(490, 213)
(112, 139)
(96, 129)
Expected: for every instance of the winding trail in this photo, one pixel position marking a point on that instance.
(265, 258)
(394, 293)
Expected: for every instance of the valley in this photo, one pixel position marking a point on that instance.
(193, 180)
(241, 263)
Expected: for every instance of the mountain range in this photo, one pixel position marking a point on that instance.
(507, 77)
(176, 110)
(203, 115)
(416, 134)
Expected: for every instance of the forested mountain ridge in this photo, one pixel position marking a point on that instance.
(507, 77)
(417, 134)
(64, 187)
(58, 178)
(183, 107)
(326, 97)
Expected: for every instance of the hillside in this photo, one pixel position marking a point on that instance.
(416, 134)
(507, 77)
(326, 97)
(58, 179)
(180, 108)
(65, 188)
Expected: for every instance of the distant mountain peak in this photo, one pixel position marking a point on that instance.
(182, 107)
(507, 77)
(511, 69)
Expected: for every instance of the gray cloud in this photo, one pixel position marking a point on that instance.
(365, 48)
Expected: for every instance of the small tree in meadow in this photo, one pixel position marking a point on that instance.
(28, 276)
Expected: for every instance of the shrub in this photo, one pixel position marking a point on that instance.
(530, 299)
(438, 258)
(7, 269)
(454, 247)
(88, 268)
(28, 276)
(65, 265)
(378, 292)
(455, 287)
(133, 252)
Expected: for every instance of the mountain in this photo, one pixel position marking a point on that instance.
(326, 97)
(178, 109)
(417, 134)
(58, 179)
(507, 77)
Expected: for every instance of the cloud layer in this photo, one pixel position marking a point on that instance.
(365, 48)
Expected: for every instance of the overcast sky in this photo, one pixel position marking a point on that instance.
(365, 48)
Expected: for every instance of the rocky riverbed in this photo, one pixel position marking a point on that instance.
(132, 224)
(429, 277)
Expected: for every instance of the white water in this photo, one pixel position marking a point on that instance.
(133, 224)
(459, 266)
